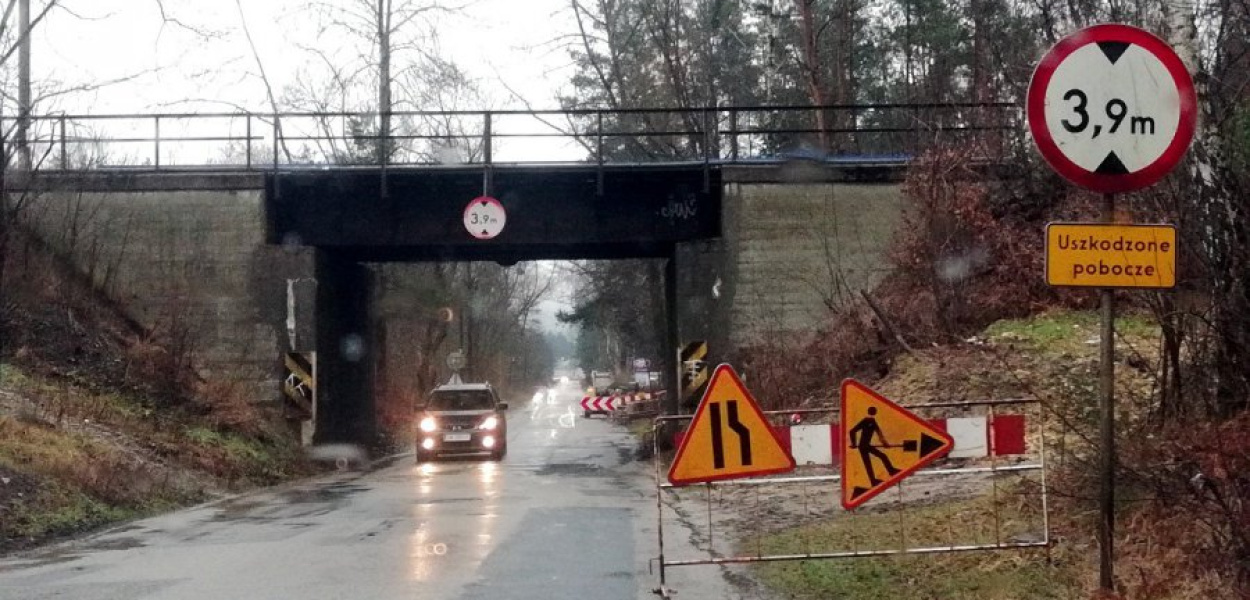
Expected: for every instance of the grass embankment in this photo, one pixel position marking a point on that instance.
(73, 458)
(1001, 576)
(1052, 357)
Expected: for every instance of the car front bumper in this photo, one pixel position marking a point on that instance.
(458, 442)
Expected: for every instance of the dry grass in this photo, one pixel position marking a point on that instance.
(231, 405)
(80, 481)
(89, 457)
(997, 575)
(102, 418)
(81, 461)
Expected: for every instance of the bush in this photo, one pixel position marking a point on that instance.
(229, 404)
(1196, 525)
(969, 252)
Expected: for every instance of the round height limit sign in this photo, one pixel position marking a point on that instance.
(484, 217)
(1112, 108)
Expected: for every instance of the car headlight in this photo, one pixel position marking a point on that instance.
(489, 423)
(428, 424)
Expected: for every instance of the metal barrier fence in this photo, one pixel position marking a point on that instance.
(733, 523)
(271, 141)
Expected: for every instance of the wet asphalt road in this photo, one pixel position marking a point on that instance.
(568, 514)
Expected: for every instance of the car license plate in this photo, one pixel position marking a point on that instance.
(457, 437)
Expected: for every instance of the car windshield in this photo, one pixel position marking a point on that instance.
(461, 400)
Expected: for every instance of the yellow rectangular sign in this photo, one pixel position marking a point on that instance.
(1110, 255)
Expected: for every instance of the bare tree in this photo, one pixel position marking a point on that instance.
(395, 32)
(264, 78)
(440, 86)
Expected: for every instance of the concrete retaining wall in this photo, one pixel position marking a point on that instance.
(195, 257)
(790, 251)
(794, 251)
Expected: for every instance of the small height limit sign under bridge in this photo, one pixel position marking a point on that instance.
(882, 443)
(728, 437)
(484, 218)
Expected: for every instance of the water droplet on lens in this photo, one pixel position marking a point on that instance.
(449, 154)
(292, 242)
(353, 347)
(958, 267)
(802, 164)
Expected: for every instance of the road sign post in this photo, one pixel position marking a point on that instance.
(1112, 109)
(456, 361)
(1106, 424)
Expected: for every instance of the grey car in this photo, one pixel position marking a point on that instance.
(463, 419)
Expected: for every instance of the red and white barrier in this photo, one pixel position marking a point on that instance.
(975, 437)
(612, 403)
(813, 444)
(599, 403)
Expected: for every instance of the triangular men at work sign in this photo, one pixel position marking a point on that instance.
(729, 437)
(882, 443)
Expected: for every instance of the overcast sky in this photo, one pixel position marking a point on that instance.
(500, 42)
(508, 46)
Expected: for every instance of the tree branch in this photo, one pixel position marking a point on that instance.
(260, 65)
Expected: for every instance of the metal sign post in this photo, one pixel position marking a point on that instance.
(1106, 412)
(1112, 109)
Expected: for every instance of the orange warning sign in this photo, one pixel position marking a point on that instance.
(882, 443)
(1106, 255)
(729, 437)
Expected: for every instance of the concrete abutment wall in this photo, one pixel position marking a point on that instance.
(792, 249)
(182, 251)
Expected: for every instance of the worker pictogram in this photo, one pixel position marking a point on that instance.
(882, 443)
(728, 437)
(862, 435)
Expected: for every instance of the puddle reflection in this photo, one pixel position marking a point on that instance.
(487, 472)
(423, 555)
(564, 416)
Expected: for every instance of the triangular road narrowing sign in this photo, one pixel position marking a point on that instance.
(882, 443)
(729, 437)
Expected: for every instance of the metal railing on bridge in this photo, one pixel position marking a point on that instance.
(244, 141)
